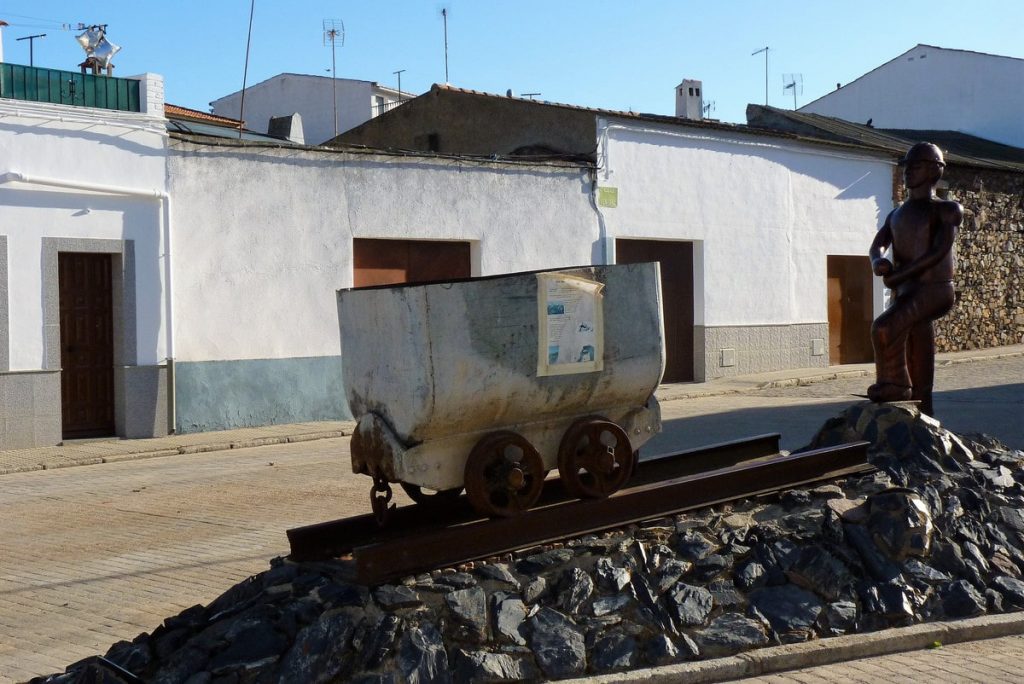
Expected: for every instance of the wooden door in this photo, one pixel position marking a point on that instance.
(86, 344)
(389, 262)
(676, 260)
(849, 309)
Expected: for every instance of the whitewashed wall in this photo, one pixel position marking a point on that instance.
(310, 96)
(77, 146)
(932, 88)
(765, 211)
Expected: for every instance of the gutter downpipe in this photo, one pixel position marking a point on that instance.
(607, 248)
(165, 199)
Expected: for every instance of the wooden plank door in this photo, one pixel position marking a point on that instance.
(849, 309)
(676, 260)
(389, 262)
(86, 344)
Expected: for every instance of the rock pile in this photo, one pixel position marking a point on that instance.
(936, 532)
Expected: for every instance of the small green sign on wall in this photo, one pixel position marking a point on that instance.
(608, 197)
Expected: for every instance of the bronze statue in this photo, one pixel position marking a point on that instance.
(921, 232)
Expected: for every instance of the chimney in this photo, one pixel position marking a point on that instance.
(287, 128)
(689, 100)
(2, 24)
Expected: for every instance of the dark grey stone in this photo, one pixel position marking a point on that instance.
(1012, 518)
(962, 600)
(647, 603)
(252, 644)
(923, 572)
(483, 666)
(749, 575)
(182, 663)
(422, 657)
(726, 596)
(711, 567)
(611, 576)
(689, 605)
(790, 610)
(1011, 589)
(392, 597)
(670, 572)
(610, 604)
(509, 617)
(819, 571)
(841, 617)
(693, 546)
(133, 657)
(531, 565)
(457, 580)
(661, 650)
(557, 644)
(376, 643)
(338, 595)
(497, 572)
(469, 608)
(322, 648)
(535, 589)
(730, 633)
(895, 603)
(578, 589)
(993, 601)
(615, 651)
(880, 567)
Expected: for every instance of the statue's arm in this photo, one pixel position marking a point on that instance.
(950, 216)
(881, 266)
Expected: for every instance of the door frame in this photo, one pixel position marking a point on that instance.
(123, 302)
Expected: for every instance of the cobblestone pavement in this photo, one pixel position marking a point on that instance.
(993, 661)
(94, 554)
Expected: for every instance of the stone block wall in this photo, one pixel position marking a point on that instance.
(989, 310)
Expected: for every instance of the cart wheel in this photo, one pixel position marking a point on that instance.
(504, 474)
(431, 498)
(595, 458)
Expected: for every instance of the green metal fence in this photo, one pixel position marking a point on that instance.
(68, 87)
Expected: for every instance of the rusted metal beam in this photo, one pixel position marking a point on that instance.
(338, 537)
(409, 554)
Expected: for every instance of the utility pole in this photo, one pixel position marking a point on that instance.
(765, 50)
(31, 43)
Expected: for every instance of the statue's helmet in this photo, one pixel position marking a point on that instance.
(923, 151)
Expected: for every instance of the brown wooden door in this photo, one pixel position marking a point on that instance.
(389, 262)
(676, 260)
(86, 344)
(849, 309)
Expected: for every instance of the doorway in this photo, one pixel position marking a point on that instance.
(86, 344)
(389, 262)
(849, 309)
(676, 259)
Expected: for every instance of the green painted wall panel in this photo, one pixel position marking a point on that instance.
(220, 395)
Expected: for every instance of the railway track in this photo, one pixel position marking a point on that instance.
(416, 542)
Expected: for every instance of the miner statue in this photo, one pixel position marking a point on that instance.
(921, 233)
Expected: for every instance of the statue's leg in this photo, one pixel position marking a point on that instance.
(921, 362)
(889, 338)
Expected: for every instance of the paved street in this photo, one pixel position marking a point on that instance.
(93, 554)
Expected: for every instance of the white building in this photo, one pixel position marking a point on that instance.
(934, 88)
(84, 258)
(315, 98)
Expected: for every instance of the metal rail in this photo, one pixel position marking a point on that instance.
(380, 562)
(339, 537)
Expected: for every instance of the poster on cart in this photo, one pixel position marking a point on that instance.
(571, 325)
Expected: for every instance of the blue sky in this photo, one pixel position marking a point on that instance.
(600, 53)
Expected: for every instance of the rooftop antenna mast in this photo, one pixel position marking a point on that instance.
(31, 44)
(444, 17)
(245, 71)
(794, 82)
(334, 32)
(765, 50)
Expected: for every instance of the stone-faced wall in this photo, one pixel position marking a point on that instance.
(989, 310)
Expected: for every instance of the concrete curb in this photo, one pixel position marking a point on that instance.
(826, 651)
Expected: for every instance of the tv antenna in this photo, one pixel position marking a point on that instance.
(794, 82)
(708, 107)
(531, 95)
(31, 44)
(765, 50)
(334, 33)
(444, 18)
